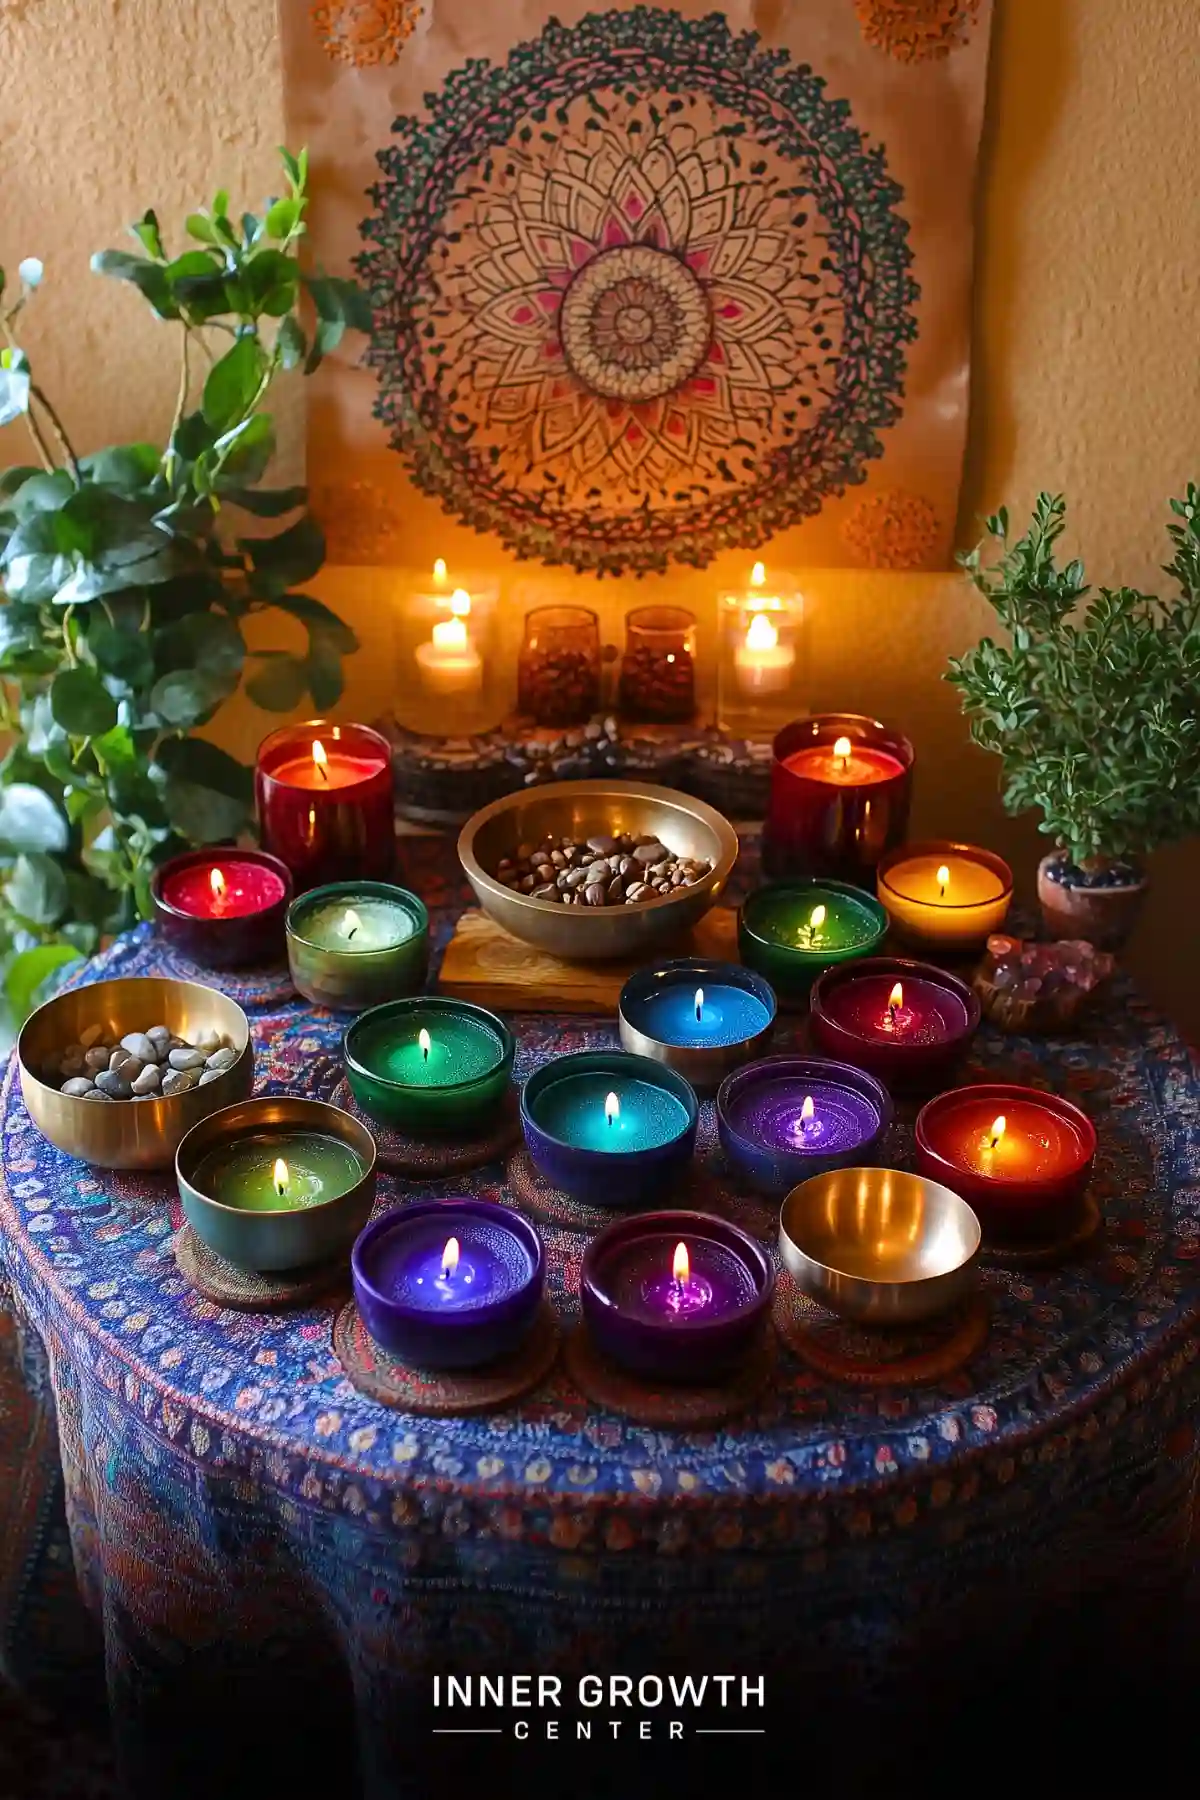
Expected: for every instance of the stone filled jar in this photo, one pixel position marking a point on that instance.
(658, 669)
(558, 670)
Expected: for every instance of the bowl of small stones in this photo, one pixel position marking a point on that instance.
(118, 1072)
(594, 870)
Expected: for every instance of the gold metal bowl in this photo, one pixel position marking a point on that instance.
(130, 1134)
(583, 809)
(878, 1245)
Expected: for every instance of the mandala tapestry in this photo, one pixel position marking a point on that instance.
(650, 283)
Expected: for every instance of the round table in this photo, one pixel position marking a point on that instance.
(238, 1509)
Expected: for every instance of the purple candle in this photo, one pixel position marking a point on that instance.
(675, 1295)
(448, 1284)
(787, 1118)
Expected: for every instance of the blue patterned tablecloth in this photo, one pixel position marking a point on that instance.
(231, 1495)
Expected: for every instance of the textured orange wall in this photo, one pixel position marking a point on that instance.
(1086, 311)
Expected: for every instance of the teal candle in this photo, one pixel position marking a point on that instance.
(278, 1171)
(356, 943)
(791, 931)
(610, 1112)
(428, 1064)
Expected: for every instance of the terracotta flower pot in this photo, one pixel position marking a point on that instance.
(1105, 914)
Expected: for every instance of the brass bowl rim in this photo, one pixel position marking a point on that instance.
(439, 1003)
(367, 889)
(976, 853)
(358, 1132)
(1056, 1104)
(27, 1073)
(718, 875)
(789, 1244)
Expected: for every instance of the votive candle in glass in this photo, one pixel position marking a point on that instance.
(944, 896)
(840, 790)
(700, 1018)
(223, 908)
(1022, 1158)
(325, 802)
(355, 944)
(676, 1296)
(429, 1065)
(788, 1117)
(607, 1127)
(791, 930)
(907, 1023)
(449, 1284)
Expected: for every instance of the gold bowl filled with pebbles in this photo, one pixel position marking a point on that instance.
(118, 1072)
(592, 870)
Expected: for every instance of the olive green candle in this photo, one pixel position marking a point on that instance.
(278, 1171)
(356, 943)
(791, 930)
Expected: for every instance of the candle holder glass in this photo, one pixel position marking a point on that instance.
(762, 665)
(325, 964)
(325, 798)
(250, 930)
(840, 790)
(429, 1065)
(658, 669)
(447, 655)
(558, 669)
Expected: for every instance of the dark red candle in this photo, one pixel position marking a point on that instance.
(840, 789)
(325, 804)
(1021, 1158)
(223, 908)
(907, 1023)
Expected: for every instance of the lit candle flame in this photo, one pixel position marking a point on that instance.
(761, 634)
(699, 1004)
(451, 634)
(843, 748)
(681, 1268)
(216, 882)
(896, 999)
(807, 1110)
(320, 759)
(818, 918)
(450, 1257)
(612, 1109)
(439, 570)
(460, 603)
(943, 880)
(999, 1127)
(279, 1175)
(350, 922)
(758, 575)
(425, 1041)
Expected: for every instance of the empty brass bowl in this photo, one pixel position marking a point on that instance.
(878, 1245)
(129, 1134)
(584, 809)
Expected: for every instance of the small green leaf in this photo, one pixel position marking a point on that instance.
(233, 383)
(207, 764)
(147, 234)
(81, 703)
(129, 468)
(29, 970)
(37, 889)
(204, 815)
(201, 227)
(185, 696)
(29, 820)
(125, 654)
(280, 684)
(291, 342)
(292, 555)
(149, 278)
(247, 452)
(283, 217)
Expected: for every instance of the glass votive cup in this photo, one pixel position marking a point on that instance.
(354, 944)
(429, 1065)
(558, 668)
(762, 672)
(907, 1023)
(658, 669)
(1022, 1158)
(841, 784)
(785, 1118)
(606, 1154)
(698, 1017)
(447, 665)
(944, 896)
(790, 931)
(225, 909)
(325, 797)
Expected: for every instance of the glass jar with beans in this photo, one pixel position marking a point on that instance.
(558, 670)
(658, 669)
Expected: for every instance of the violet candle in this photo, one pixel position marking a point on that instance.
(906, 1023)
(788, 1117)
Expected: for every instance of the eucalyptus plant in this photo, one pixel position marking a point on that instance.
(127, 580)
(1093, 703)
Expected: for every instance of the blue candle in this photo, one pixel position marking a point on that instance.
(611, 1113)
(700, 1018)
(694, 1017)
(609, 1128)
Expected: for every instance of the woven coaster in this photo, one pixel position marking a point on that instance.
(444, 1393)
(427, 1159)
(879, 1355)
(672, 1404)
(696, 1191)
(1032, 1253)
(247, 1290)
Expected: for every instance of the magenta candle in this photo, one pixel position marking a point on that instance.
(1021, 1158)
(223, 908)
(840, 789)
(325, 802)
(907, 1023)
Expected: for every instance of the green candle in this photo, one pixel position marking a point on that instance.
(358, 926)
(429, 1064)
(278, 1171)
(792, 930)
(356, 943)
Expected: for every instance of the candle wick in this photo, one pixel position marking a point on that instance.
(424, 1051)
(323, 771)
(349, 935)
(698, 1014)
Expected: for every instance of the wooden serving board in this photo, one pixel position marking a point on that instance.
(484, 964)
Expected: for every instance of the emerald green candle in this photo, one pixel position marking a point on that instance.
(429, 1065)
(278, 1171)
(791, 930)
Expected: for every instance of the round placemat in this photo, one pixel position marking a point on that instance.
(445, 1393)
(688, 1408)
(248, 1290)
(1030, 1253)
(878, 1355)
(696, 1191)
(427, 1159)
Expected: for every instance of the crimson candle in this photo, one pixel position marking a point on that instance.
(1021, 1158)
(840, 788)
(324, 796)
(907, 1023)
(223, 908)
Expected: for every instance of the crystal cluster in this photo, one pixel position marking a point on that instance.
(1026, 986)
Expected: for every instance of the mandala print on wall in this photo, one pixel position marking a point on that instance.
(366, 32)
(642, 293)
(894, 530)
(917, 30)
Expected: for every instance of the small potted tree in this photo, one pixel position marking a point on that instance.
(1093, 707)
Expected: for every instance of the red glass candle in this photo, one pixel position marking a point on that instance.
(840, 789)
(906, 1023)
(1021, 1158)
(325, 806)
(223, 908)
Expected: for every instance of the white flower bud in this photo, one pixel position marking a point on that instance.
(30, 270)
